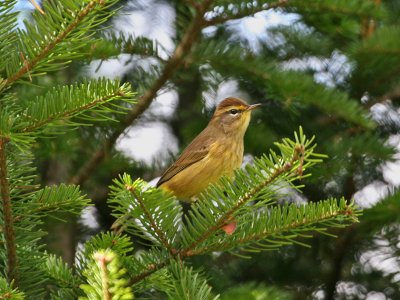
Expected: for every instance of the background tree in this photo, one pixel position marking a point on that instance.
(332, 65)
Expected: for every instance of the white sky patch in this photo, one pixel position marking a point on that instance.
(384, 113)
(348, 289)
(25, 8)
(164, 106)
(383, 260)
(381, 257)
(151, 19)
(256, 24)
(88, 218)
(228, 88)
(110, 68)
(391, 169)
(254, 28)
(375, 296)
(371, 194)
(329, 71)
(264, 20)
(150, 142)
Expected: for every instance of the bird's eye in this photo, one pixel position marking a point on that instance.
(234, 111)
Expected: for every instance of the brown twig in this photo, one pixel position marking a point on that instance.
(37, 6)
(172, 64)
(9, 232)
(368, 25)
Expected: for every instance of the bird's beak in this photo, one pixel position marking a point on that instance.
(251, 107)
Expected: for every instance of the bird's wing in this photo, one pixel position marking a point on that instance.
(196, 151)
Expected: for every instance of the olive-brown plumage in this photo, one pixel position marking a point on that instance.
(216, 151)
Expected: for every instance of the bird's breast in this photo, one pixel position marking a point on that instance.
(226, 157)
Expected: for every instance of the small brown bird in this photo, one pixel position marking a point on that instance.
(215, 152)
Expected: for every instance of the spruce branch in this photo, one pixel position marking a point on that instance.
(52, 43)
(302, 220)
(245, 13)
(189, 38)
(261, 225)
(357, 9)
(323, 213)
(159, 233)
(9, 231)
(228, 215)
(138, 210)
(187, 284)
(9, 292)
(68, 114)
(76, 100)
(60, 276)
(151, 268)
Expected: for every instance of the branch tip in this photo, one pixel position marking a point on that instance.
(129, 187)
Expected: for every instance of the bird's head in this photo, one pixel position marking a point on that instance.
(233, 115)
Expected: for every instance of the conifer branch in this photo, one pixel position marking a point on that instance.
(278, 233)
(189, 38)
(242, 14)
(227, 216)
(46, 50)
(9, 231)
(151, 268)
(281, 235)
(152, 221)
(321, 7)
(346, 211)
(71, 113)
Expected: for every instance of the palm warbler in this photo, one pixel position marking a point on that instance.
(216, 151)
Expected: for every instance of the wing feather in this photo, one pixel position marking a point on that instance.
(196, 151)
